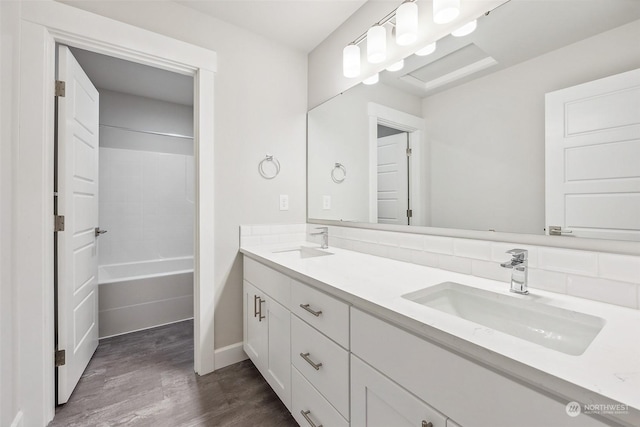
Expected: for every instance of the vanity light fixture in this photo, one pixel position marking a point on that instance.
(427, 50)
(396, 66)
(351, 61)
(466, 29)
(372, 80)
(407, 23)
(376, 44)
(445, 11)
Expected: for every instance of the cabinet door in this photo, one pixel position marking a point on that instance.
(377, 401)
(278, 369)
(255, 326)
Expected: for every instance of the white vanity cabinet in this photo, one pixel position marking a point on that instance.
(267, 329)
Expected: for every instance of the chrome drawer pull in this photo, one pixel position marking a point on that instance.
(260, 316)
(315, 313)
(305, 414)
(316, 366)
(426, 424)
(255, 305)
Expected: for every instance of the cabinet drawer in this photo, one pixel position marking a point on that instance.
(325, 313)
(271, 282)
(306, 398)
(331, 378)
(453, 384)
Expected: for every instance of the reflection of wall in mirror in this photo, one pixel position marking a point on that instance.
(337, 133)
(487, 136)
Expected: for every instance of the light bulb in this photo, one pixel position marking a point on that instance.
(351, 61)
(466, 29)
(376, 44)
(445, 11)
(407, 23)
(372, 80)
(396, 66)
(427, 50)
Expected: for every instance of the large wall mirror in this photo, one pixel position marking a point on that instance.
(456, 139)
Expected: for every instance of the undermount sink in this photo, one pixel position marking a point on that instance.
(304, 252)
(558, 329)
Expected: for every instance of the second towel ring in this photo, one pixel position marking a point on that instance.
(338, 173)
(269, 159)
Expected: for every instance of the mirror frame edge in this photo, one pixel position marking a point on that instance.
(621, 247)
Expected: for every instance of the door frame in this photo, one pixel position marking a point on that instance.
(415, 127)
(42, 25)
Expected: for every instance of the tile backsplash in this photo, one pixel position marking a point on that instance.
(275, 233)
(605, 277)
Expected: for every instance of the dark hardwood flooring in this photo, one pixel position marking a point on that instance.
(146, 379)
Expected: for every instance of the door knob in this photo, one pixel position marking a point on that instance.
(98, 232)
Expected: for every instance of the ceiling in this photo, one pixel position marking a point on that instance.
(106, 72)
(299, 24)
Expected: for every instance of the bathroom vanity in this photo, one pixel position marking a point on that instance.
(346, 338)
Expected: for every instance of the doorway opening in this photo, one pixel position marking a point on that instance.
(394, 172)
(124, 166)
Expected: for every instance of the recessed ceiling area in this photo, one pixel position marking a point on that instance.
(118, 75)
(300, 24)
(514, 32)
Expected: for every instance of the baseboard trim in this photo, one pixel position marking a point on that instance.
(17, 420)
(229, 355)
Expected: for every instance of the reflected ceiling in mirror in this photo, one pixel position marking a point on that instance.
(456, 139)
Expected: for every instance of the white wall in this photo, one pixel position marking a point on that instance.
(487, 136)
(9, 59)
(147, 190)
(338, 132)
(261, 102)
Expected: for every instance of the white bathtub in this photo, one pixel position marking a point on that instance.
(142, 295)
(144, 269)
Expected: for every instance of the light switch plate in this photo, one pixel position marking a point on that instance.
(284, 202)
(326, 202)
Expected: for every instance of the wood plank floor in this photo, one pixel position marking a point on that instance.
(146, 379)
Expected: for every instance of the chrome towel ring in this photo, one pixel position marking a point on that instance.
(338, 173)
(269, 159)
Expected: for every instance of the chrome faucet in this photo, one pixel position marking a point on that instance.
(325, 236)
(519, 270)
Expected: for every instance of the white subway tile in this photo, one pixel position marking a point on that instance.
(475, 249)
(454, 263)
(619, 293)
(279, 229)
(424, 258)
(269, 239)
(250, 240)
(548, 280)
(568, 261)
(245, 230)
(388, 238)
(260, 230)
(400, 254)
(619, 267)
(411, 241)
(490, 270)
(437, 244)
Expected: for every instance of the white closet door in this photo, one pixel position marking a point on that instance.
(78, 202)
(393, 179)
(593, 158)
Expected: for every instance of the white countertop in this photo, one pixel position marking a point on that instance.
(607, 372)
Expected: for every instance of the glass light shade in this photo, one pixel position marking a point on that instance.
(427, 50)
(396, 66)
(376, 44)
(407, 23)
(445, 11)
(372, 80)
(466, 29)
(351, 61)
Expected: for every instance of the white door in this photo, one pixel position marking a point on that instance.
(279, 360)
(393, 179)
(376, 401)
(593, 158)
(77, 201)
(255, 326)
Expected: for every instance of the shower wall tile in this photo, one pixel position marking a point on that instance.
(146, 202)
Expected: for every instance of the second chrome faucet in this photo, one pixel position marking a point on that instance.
(519, 270)
(325, 236)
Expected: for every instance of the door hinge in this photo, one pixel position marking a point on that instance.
(60, 358)
(409, 213)
(409, 152)
(556, 230)
(60, 88)
(58, 224)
